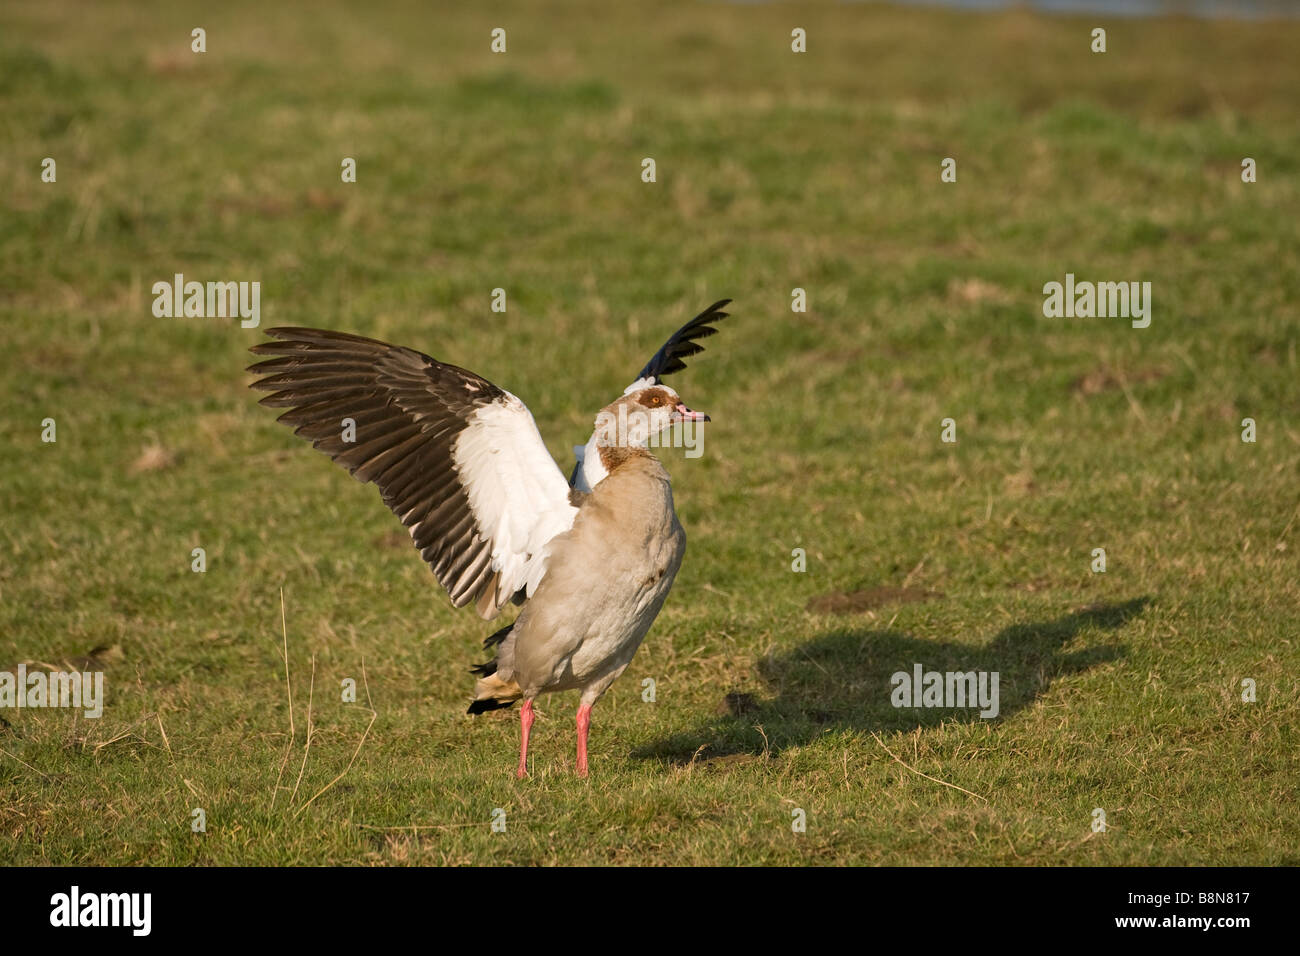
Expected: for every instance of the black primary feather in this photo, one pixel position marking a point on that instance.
(486, 670)
(490, 667)
(683, 343)
(497, 637)
(483, 706)
(408, 409)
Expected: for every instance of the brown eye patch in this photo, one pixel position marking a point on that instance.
(654, 398)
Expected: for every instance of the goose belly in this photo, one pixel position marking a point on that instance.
(618, 627)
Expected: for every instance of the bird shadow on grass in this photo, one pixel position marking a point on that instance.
(842, 681)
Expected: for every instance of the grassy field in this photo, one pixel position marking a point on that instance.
(1120, 690)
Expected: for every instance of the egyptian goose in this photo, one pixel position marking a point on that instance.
(460, 462)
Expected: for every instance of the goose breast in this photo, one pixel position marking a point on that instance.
(608, 577)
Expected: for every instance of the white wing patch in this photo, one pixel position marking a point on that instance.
(519, 498)
(591, 470)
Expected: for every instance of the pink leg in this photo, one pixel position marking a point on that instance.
(525, 725)
(584, 723)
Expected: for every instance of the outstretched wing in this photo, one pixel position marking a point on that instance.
(457, 459)
(681, 345)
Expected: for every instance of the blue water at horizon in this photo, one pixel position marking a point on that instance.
(1205, 9)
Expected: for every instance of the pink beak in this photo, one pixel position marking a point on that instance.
(684, 414)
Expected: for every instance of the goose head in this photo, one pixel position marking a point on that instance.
(637, 416)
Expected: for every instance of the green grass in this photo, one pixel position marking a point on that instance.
(1119, 690)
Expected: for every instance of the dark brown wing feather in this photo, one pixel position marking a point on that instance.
(683, 343)
(408, 409)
